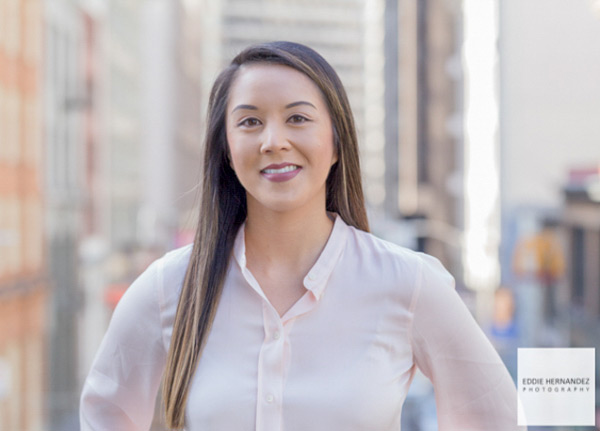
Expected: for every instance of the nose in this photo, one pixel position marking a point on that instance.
(274, 138)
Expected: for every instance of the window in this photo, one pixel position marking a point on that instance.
(32, 41)
(13, 126)
(3, 116)
(13, 26)
(32, 233)
(3, 26)
(10, 236)
(17, 225)
(31, 142)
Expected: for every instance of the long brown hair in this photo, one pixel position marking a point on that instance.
(223, 208)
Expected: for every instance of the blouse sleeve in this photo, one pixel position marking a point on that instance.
(120, 390)
(473, 389)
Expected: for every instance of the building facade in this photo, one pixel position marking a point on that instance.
(423, 135)
(194, 69)
(579, 298)
(65, 188)
(24, 286)
(580, 222)
(549, 110)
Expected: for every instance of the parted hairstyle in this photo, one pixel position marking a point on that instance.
(223, 208)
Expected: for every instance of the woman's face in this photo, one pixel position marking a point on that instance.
(280, 137)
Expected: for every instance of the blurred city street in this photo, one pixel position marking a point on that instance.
(479, 132)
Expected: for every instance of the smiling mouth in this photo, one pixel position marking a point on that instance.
(288, 168)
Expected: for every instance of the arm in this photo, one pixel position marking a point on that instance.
(120, 390)
(473, 389)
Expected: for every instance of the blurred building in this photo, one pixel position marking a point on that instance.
(195, 68)
(123, 121)
(66, 156)
(549, 94)
(24, 285)
(580, 221)
(423, 111)
(154, 67)
(549, 108)
(579, 297)
(108, 115)
(143, 72)
(92, 310)
(126, 133)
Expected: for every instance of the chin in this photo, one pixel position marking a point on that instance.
(287, 202)
(283, 205)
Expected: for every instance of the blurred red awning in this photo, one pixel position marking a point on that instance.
(113, 293)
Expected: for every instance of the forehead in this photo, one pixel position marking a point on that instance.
(273, 82)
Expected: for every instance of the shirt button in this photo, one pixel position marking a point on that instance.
(311, 277)
(276, 335)
(270, 398)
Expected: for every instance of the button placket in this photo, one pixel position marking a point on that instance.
(270, 372)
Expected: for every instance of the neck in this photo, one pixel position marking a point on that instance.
(294, 238)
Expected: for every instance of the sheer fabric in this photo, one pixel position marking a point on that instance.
(342, 358)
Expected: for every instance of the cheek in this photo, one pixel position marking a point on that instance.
(329, 151)
(233, 147)
(240, 156)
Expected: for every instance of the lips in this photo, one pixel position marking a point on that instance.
(280, 172)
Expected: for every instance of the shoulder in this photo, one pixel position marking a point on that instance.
(161, 276)
(378, 250)
(174, 263)
(154, 295)
(170, 271)
(400, 265)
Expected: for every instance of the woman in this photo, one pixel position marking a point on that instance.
(286, 313)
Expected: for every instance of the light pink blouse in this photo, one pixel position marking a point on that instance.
(342, 358)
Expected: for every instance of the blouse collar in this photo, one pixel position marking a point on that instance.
(316, 278)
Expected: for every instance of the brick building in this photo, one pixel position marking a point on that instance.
(23, 275)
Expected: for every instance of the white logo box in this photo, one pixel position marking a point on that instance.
(556, 386)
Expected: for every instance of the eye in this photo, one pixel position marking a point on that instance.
(249, 122)
(298, 119)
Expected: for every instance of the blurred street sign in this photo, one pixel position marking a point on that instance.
(539, 255)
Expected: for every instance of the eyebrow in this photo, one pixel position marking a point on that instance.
(300, 102)
(288, 106)
(252, 107)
